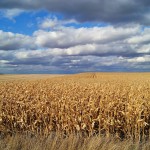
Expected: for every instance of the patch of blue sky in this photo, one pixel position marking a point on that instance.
(25, 23)
(28, 22)
(144, 27)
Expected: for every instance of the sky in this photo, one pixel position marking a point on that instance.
(72, 36)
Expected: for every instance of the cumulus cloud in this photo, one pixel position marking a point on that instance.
(70, 50)
(123, 44)
(54, 23)
(141, 38)
(13, 41)
(68, 37)
(117, 11)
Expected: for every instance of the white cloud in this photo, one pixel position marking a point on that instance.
(13, 41)
(11, 13)
(68, 36)
(49, 23)
(142, 37)
(53, 22)
(142, 59)
(68, 49)
(144, 49)
(2, 62)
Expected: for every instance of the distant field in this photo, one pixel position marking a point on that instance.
(12, 77)
(112, 105)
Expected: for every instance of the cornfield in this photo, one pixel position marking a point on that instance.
(106, 104)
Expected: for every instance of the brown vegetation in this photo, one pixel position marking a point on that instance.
(103, 104)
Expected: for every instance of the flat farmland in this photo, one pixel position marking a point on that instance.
(111, 105)
(13, 77)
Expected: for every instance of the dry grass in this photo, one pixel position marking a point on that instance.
(73, 142)
(113, 105)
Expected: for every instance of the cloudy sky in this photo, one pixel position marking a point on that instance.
(71, 36)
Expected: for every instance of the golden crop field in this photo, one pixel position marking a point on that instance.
(106, 104)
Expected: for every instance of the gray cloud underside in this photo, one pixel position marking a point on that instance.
(116, 11)
(74, 64)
